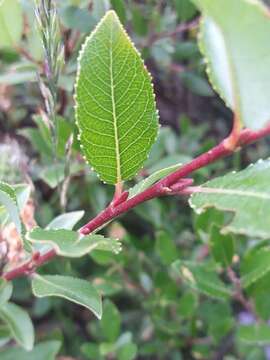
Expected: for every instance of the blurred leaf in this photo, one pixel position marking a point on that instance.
(9, 200)
(196, 84)
(162, 51)
(222, 246)
(185, 9)
(119, 7)
(66, 221)
(110, 322)
(186, 50)
(200, 277)
(5, 336)
(76, 290)
(46, 350)
(150, 180)
(125, 348)
(18, 77)
(64, 131)
(139, 22)
(5, 291)
(70, 243)
(34, 136)
(91, 351)
(11, 23)
(108, 286)
(258, 334)
(23, 192)
(119, 151)
(233, 45)
(77, 18)
(246, 194)
(99, 8)
(254, 266)
(19, 323)
(127, 352)
(165, 247)
(188, 304)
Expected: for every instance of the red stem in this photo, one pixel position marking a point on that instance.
(163, 187)
(29, 267)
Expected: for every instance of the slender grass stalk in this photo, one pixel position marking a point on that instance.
(49, 29)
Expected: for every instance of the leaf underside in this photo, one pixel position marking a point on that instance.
(69, 244)
(246, 194)
(237, 50)
(115, 105)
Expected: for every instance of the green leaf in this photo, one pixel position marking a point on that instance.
(246, 194)
(70, 243)
(66, 221)
(23, 192)
(53, 174)
(125, 348)
(222, 246)
(19, 323)
(5, 336)
(188, 304)
(201, 278)
(46, 350)
(185, 9)
(11, 23)
(258, 334)
(18, 77)
(76, 18)
(110, 322)
(115, 105)
(119, 7)
(196, 83)
(255, 265)
(9, 200)
(165, 247)
(150, 180)
(76, 290)
(127, 351)
(234, 46)
(5, 291)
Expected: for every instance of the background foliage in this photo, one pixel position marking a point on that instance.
(152, 310)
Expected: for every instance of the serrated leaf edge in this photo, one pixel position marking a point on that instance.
(81, 52)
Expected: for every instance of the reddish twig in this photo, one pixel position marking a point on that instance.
(163, 187)
(174, 183)
(29, 266)
(171, 34)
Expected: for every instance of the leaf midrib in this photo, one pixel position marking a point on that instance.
(116, 136)
(258, 195)
(64, 294)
